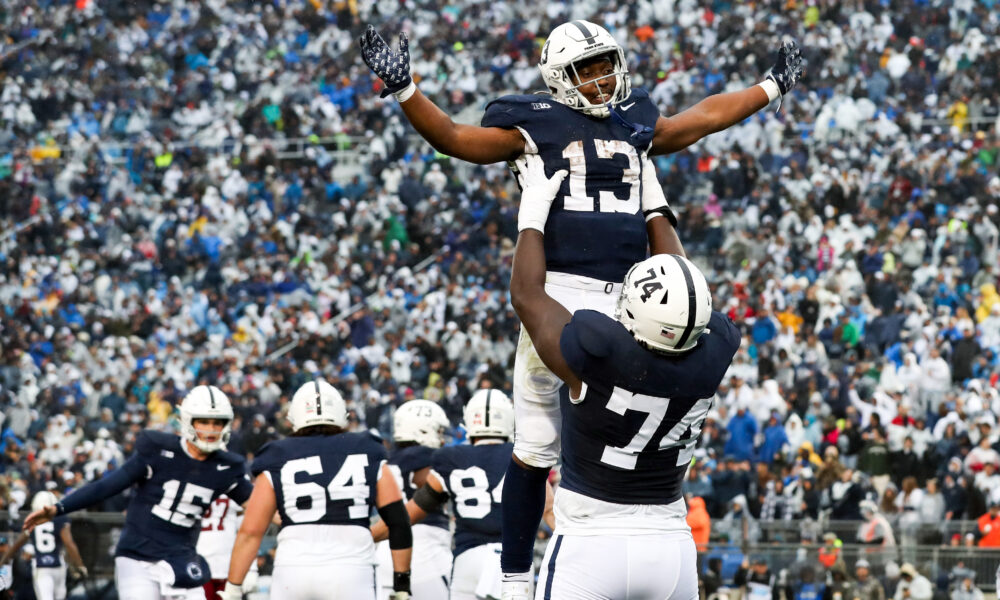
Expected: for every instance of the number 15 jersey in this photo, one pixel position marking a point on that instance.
(595, 227)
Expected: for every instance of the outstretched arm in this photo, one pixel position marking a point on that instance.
(14, 549)
(541, 316)
(482, 145)
(721, 111)
(111, 484)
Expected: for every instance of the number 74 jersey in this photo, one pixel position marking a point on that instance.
(595, 227)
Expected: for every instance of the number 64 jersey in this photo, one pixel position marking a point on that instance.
(595, 227)
(324, 486)
(630, 439)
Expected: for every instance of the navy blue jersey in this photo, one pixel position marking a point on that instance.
(631, 438)
(473, 477)
(595, 227)
(163, 519)
(404, 463)
(47, 541)
(324, 479)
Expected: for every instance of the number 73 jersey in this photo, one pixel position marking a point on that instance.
(595, 227)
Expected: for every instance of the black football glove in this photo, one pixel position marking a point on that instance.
(393, 68)
(788, 68)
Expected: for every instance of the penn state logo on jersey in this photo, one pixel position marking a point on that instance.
(595, 227)
(473, 477)
(323, 479)
(632, 436)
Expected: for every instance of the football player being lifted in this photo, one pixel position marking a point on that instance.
(639, 386)
(607, 215)
(176, 479)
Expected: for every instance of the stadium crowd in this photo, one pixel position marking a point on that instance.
(154, 237)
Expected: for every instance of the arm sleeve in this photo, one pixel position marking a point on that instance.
(134, 469)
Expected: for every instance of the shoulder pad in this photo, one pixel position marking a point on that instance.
(591, 329)
(268, 456)
(444, 458)
(515, 111)
(150, 442)
(229, 458)
(364, 441)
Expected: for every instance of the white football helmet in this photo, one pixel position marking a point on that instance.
(317, 403)
(43, 499)
(665, 303)
(489, 413)
(420, 421)
(571, 43)
(206, 402)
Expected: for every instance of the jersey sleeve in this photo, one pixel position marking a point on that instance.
(442, 464)
(720, 324)
(133, 470)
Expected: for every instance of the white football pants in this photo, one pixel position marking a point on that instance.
(621, 567)
(536, 388)
(50, 583)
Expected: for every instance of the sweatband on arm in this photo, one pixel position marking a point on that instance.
(429, 499)
(398, 522)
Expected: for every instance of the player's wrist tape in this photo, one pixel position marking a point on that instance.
(401, 581)
(533, 212)
(404, 94)
(398, 521)
(428, 499)
(664, 211)
(770, 88)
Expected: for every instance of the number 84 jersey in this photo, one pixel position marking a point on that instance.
(595, 227)
(473, 477)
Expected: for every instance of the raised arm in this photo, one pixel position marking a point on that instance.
(482, 145)
(541, 316)
(721, 111)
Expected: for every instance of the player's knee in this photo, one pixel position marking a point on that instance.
(537, 455)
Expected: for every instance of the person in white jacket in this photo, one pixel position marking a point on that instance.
(913, 585)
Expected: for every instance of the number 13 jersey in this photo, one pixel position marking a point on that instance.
(595, 227)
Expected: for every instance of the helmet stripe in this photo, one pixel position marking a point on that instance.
(488, 394)
(692, 301)
(211, 396)
(588, 37)
(319, 399)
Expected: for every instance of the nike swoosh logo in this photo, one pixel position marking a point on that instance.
(627, 106)
(222, 467)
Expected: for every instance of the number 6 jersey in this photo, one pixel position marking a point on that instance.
(595, 227)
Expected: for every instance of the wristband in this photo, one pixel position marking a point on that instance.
(401, 581)
(663, 211)
(532, 214)
(770, 88)
(406, 93)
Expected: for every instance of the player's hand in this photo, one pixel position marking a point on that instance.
(788, 68)
(537, 190)
(400, 596)
(42, 515)
(392, 67)
(654, 201)
(79, 571)
(231, 592)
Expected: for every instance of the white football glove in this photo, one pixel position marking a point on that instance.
(6, 578)
(232, 592)
(654, 202)
(400, 596)
(537, 191)
(80, 571)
